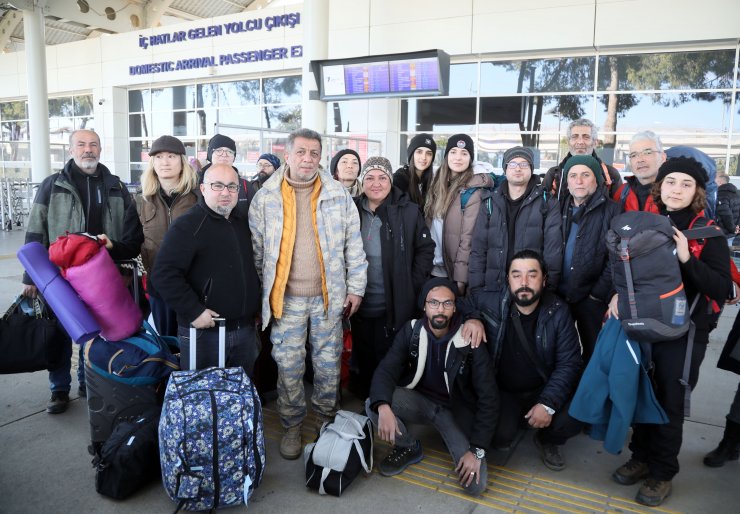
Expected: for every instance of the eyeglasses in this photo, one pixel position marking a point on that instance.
(647, 152)
(447, 304)
(218, 186)
(514, 165)
(265, 166)
(224, 152)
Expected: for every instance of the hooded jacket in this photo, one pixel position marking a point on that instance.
(536, 227)
(407, 251)
(474, 398)
(57, 208)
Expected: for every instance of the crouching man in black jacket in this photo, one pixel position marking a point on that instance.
(436, 373)
(535, 351)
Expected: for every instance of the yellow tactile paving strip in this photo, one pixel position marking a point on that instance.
(508, 490)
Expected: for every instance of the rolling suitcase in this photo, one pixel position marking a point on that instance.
(211, 440)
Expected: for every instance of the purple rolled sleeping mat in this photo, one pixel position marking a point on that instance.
(71, 312)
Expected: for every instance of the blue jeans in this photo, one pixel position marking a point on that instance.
(61, 379)
(410, 406)
(241, 347)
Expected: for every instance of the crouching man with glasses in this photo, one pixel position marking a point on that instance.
(434, 374)
(205, 269)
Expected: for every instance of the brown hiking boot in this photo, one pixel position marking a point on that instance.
(291, 445)
(631, 472)
(653, 492)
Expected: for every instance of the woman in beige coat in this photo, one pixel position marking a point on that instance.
(168, 188)
(452, 207)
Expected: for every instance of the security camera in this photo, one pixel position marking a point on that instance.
(101, 101)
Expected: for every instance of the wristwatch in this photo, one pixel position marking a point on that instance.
(479, 453)
(549, 410)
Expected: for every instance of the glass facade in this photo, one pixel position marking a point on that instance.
(66, 114)
(256, 113)
(690, 98)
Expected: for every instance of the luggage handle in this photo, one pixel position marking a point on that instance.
(221, 344)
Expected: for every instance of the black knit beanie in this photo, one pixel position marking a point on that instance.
(419, 141)
(339, 155)
(685, 165)
(436, 282)
(220, 141)
(461, 141)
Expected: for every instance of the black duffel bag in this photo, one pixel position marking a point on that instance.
(31, 338)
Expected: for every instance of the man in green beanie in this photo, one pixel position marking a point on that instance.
(586, 278)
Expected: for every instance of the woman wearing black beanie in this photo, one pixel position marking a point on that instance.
(414, 178)
(679, 192)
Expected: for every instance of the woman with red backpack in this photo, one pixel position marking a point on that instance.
(680, 194)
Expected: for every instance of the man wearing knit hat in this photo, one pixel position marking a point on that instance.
(519, 215)
(222, 150)
(453, 389)
(582, 137)
(586, 278)
(399, 253)
(308, 252)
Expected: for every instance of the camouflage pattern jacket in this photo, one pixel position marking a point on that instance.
(338, 225)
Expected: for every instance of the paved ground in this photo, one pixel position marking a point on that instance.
(45, 468)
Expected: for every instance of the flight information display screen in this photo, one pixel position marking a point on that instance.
(416, 74)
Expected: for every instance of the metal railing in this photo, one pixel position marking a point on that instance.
(16, 197)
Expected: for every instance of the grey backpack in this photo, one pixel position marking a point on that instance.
(344, 448)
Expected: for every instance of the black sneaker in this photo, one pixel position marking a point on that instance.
(82, 391)
(550, 454)
(58, 402)
(400, 458)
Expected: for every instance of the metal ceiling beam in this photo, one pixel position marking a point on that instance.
(154, 11)
(8, 24)
(95, 17)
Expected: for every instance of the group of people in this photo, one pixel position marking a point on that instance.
(474, 302)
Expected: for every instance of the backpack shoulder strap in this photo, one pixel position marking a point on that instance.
(415, 336)
(607, 176)
(624, 194)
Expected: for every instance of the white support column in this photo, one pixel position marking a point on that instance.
(38, 98)
(315, 46)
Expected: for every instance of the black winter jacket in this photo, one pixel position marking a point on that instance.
(407, 252)
(708, 275)
(474, 398)
(728, 208)
(205, 261)
(555, 185)
(402, 177)
(590, 265)
(556, 344)
(537, 227)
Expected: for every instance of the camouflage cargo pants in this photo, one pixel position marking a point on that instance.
(289, 351)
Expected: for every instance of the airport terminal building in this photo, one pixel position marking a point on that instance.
(518, 73)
